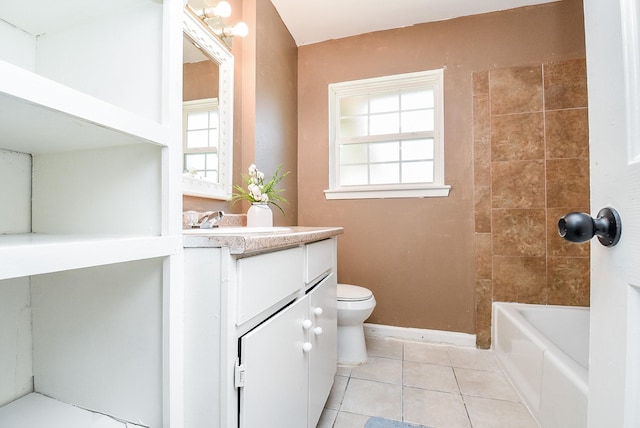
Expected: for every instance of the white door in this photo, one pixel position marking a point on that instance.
(614, 121)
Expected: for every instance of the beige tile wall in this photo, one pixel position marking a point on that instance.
(531, 166)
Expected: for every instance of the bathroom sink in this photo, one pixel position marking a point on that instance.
(235, 230)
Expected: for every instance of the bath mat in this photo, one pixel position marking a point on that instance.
(388, 423)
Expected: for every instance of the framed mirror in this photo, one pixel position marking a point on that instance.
(207, 112)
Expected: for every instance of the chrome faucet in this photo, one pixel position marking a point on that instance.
(209, 220)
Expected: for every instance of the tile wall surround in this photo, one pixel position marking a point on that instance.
(531, 166)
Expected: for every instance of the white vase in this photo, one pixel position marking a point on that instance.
(259, 215)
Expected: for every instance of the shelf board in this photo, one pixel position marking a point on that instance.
(34, 254)
(36, 410)
(43, 116)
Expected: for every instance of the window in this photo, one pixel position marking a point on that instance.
(386, 137)
(201, 138)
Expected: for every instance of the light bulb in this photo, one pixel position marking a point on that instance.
(222, 9)
(240, 29)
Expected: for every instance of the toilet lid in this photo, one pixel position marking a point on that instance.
(348, 292)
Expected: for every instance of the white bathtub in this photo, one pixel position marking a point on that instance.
(545, 352)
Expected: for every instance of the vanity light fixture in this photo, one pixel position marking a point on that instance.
(214, 18)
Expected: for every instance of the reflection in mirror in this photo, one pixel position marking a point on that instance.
(201, 133)
(207, 112)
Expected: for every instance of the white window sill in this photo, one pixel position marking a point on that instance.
(371, 192)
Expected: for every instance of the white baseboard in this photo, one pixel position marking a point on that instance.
(421, 335)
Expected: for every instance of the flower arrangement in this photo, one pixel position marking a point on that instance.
(259, 191)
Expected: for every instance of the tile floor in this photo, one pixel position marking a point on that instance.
(425, 384)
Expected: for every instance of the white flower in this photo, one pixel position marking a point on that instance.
(255, 191)
(259, 191)
(192, 172)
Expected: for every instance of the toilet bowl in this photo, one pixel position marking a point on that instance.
(355, 305)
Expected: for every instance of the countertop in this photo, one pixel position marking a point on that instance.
(248, 241)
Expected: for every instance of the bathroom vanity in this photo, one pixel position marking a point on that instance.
(260, 326)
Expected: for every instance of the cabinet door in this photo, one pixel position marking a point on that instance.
(323, 356)
(275, 379)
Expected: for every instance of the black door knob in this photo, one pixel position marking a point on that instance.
(581, 227)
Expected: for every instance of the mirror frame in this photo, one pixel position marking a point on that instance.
(196, 30)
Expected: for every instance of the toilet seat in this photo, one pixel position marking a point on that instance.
(353, 293)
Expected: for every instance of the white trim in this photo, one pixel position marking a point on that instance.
(199, 105)
(421, 335)
(407, 80)
(416, 79)
(629, 11)
(372, 192)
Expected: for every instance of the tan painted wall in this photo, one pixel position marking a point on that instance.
(417, 255)
(276, 106)
(199, 80)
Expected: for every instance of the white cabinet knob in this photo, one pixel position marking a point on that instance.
(317, 331)
(306, 324)
(317, 311)
(307, 347)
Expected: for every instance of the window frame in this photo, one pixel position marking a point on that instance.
(201, 186)
(433, 79)
(198, 106)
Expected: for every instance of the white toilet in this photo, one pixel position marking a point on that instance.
(355, 305)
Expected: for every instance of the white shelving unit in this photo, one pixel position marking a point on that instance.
(90, 201)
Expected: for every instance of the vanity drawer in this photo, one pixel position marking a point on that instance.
(319, 258)
(266, 279)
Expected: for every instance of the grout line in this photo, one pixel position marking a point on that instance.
(464, 403)
(546, 185)
(459, 393)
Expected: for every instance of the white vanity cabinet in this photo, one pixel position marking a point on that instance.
(266, 335)
(287, 364)
(90, 239)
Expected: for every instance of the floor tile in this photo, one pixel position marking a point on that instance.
(350, 420)
(477, 359)
(426, 353)
(382, 347)
(327, 418)
(380, 369)
(480, 383)
(429, 376)
(433, 408)
(371, 398)
(337, 392)
(425, 384)
(489, 413)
